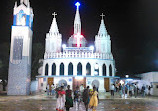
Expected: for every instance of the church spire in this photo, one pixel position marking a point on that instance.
(77, 21)
(102, 30)
(54, 28)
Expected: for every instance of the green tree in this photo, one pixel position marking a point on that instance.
(37, 54)
(4, 64)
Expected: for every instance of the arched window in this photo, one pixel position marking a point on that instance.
(88, 69)
(46, 70)
(96, 69)
(104, 70)
(110, 70)
(79, 69)
(61, 69)
(54, 69)
(70, 69)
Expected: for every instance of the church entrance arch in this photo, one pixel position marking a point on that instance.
(95, 83)
(77, 81)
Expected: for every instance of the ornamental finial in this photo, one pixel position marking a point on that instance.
(77, 4)
(54, 14)
(102, 15)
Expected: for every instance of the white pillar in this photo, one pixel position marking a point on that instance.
(75, 69)
(113, 70)
(65, 69)
(83, 69)
(44, 66)
(49, 69)
(107, 69)
(92, 69)
(100, 70)
(57, 69)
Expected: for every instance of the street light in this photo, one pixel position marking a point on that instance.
(127, 76)
(64, 46)
(91, 48)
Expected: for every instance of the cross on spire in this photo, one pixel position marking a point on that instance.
(54, 14)
(102, 15)
(77, 4)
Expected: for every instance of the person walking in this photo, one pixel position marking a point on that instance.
(120, 90)
(135, 90)
(60, 100)
(53, 89)
(112, 88)
(130, 90)
(86, 97)
(149, 88)
(47, 89)
(143, 90)
(77, 97)
(69, 101)
(94, 100)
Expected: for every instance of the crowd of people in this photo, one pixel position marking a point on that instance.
(67, 99)
(129, 90)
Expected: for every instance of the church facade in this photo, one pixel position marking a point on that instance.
(76, 63)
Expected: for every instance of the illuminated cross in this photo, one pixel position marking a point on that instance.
(77, 4)
(54, 14)
(102, 15)
(78, 36)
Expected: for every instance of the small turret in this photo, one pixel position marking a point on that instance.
(15, 6)
(102, 40)
(53, 38)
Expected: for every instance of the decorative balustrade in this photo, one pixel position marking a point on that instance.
(75, 54)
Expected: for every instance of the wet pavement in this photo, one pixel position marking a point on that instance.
(43, 102)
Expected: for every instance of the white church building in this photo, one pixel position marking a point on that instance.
(76, 63)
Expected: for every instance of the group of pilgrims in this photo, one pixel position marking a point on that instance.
(66, 98)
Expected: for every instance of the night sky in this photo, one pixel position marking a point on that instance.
(132, 25)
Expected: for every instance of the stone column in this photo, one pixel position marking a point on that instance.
(43, 72)
(100, 70)
(113, 70)
(57, 69)
(49, 69)
(65, 69)
(75, 69)
(92, 69)
(83, 69)
(107, 69)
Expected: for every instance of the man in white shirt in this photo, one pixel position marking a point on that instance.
(112, 88)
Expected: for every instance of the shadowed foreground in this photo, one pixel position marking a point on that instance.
(44, 103)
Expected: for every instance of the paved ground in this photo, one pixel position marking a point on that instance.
(47, 103)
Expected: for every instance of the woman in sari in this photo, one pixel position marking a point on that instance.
(94, 100)
(69, 101)
(60, 100)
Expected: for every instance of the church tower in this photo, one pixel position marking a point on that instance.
(102, 40)
(53, 38)
(20, 50)
(77, 39)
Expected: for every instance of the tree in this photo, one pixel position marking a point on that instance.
(4, 63)
(37, 54)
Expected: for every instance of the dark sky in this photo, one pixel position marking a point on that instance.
(132, 25)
